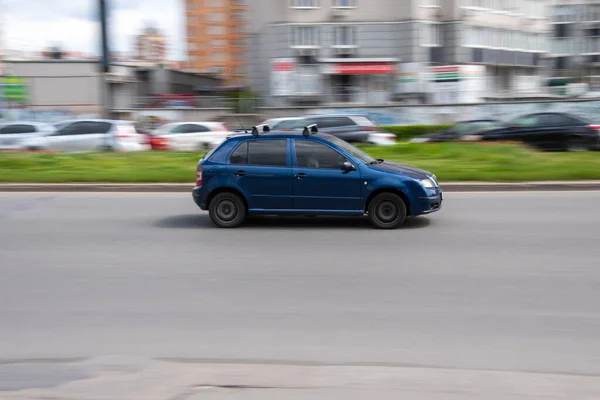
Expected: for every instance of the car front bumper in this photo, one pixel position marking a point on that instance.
(429, 204)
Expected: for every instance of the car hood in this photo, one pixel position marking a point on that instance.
(402, 169)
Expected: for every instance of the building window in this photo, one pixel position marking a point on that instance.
(344, 3)
(216, 17)
(304, 3)
(216, 3)
(305, 36)
(216, 30)
(431, 35)
(431, 3)
(217, 43)
(344, 36)
(217, 56)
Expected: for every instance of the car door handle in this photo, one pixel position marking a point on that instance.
(240, 173)
(301, 175)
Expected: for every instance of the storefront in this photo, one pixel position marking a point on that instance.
(363, 81)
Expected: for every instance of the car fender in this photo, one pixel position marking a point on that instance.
(376, 182)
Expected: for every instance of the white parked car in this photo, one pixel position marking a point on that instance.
(189, 136)
(14, 135)
(91, 135)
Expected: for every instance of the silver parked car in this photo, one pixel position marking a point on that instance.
(351, 128)
(91, 135)
(15, 135)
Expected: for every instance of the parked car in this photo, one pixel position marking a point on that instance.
(547, 131)
(351, 128)
(308, 173)
(14, 135)
(282, 123)
(90, 135)
(459, 130)
(189, 136)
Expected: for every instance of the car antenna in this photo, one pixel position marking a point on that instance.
(240, 121)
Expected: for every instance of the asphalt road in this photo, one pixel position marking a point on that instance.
(495, 281)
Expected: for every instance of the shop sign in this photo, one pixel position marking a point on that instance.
(283, 73)
(360, 68)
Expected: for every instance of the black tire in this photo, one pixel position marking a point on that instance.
(387, 211)
(227, 210)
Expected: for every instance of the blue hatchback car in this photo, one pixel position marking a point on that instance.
(308, 173)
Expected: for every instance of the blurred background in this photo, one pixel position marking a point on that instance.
(191, 60)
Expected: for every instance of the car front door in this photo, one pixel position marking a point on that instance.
(320, 183)
(261, 169)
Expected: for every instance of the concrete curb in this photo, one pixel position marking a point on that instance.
(187, 187)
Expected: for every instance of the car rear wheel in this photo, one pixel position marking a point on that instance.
(227, 210)
(387, 211)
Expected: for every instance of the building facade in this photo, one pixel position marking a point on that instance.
(216, 32)
(374, 51)
(151, 46)
(576, 41)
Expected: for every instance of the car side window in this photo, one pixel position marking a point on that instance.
(181, 129)
(343, 121)
(194, 128)
(17, 129)
(528, 121)
(271, 153)
(310, 154)
(101, 127)
(556, 120)
(75, 128)
(240, 155)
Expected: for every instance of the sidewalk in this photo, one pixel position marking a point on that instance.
(163, 380)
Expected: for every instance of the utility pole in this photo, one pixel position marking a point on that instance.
(107, 101)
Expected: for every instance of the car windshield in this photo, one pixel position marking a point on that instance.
(357, 153)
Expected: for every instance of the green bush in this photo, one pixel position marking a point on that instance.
(408, 132)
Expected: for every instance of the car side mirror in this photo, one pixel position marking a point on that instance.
(347, 166)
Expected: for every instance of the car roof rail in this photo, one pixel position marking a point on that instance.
(310, 130)
(265, 129)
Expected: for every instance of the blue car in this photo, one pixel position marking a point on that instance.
(308, 173)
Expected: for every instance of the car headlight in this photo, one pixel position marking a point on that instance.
(427, 183)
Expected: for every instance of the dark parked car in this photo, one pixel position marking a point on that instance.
(547, 131)
(351, 128)
(309, 173)
(459, 130)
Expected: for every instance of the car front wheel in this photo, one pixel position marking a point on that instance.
(387, 211)
(227, 210)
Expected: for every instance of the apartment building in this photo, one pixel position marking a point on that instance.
(362, 51)
(216, 38)
(151, 45)
(576, 40)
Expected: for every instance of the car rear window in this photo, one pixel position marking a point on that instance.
(271, 153)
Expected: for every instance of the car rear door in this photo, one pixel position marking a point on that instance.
(261, 168)
(320, 184)
(92, 136)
